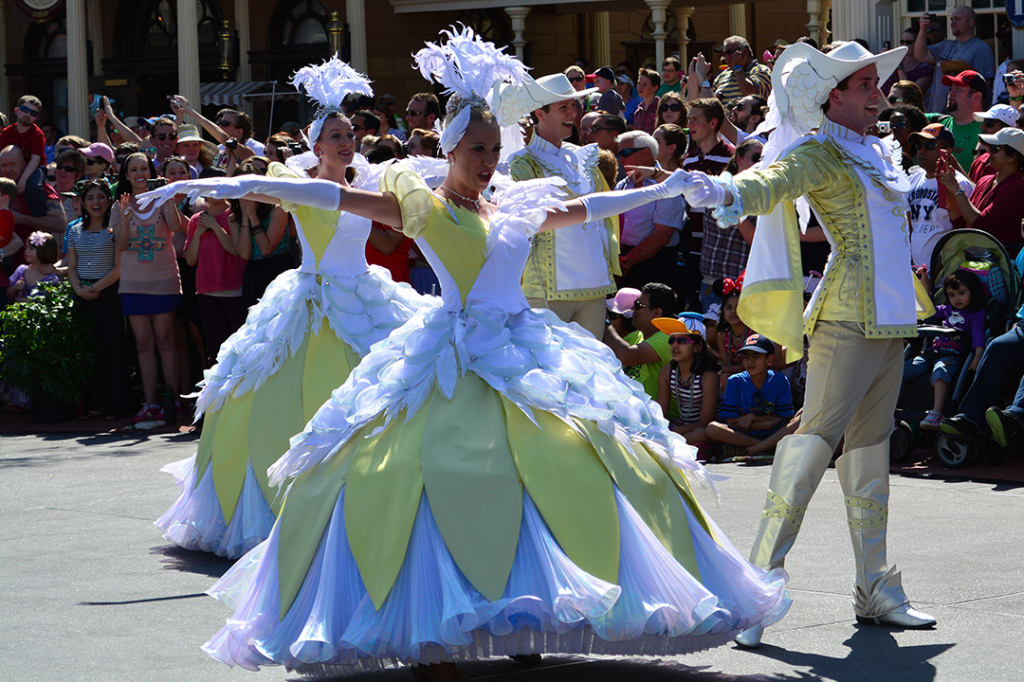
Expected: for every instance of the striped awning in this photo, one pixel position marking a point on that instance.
(232, 94)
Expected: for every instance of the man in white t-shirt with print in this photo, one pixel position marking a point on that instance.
(928, 199)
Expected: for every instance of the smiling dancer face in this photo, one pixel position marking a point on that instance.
(336, 147)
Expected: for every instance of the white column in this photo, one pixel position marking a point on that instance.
(824, 37)
(188, 53)
(5, 90)
(355, 15)
(96, 35)
(853, 19)
(682, 15)
(658, 17)
(518, 17)
(78, 73)
(601, 23)
(814, 18)
(244, 72)
(738, 20)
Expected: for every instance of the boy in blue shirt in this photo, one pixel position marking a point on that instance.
(757, 402)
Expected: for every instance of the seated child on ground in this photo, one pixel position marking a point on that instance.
(964, 312)
(688, 384)
(732, 331)
(757, 401)
(41, 253)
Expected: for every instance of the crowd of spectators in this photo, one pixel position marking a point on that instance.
(181, 281)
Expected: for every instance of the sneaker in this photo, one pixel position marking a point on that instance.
(932, 421)
(960, 426)
(725, 452)
(1005, 427)
(145, 414)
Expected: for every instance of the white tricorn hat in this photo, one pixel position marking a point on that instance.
(803, 77)
(513, 103)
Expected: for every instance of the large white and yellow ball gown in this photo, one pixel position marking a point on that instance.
(486, 482)
(298, 344)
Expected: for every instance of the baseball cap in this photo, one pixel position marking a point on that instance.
(999, 112)
(101, 150)
(936, 131)
(622, 302)
(1011, 137)
(603, 72)
(971, 79)
(680, 325)
(759, 344)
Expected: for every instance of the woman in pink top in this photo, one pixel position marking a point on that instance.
(150, 287)
(213, 248)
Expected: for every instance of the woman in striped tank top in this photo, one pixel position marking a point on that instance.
(688, 384)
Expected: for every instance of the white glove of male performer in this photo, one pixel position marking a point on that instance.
(601, 205)
(303, 191)
(701, 191)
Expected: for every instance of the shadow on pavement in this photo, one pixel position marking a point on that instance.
(874, 654)
(177, 558)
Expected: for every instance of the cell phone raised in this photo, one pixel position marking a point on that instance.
(154, 183)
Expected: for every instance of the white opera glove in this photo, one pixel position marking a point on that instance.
(701, 191)
(602, 205)
(303, 191)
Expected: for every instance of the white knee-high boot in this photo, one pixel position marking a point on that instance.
(878, 595)
(800, 461)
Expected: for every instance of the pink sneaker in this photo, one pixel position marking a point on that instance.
(145, 414)
(932, 421)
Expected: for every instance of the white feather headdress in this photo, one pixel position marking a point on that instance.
(469, 68)
(327, 85)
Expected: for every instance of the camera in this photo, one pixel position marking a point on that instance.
(295, 147)
(155, 183)
(231, 144)
(1009, 79)
(884, 128)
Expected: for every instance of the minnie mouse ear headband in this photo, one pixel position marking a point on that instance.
(681, 325)
(512, 103)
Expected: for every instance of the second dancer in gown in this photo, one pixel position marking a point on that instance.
(298, 344)
(487, 482)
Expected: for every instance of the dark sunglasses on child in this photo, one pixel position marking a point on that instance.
(670, 107)
(684, 339)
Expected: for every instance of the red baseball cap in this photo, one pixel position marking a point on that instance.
(971, 79)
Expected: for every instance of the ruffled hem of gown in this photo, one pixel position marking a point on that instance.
(195, 521)
(433, 613)
(360, 309)
(531, 357)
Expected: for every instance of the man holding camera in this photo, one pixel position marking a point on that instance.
(232, 131)
(964, 46)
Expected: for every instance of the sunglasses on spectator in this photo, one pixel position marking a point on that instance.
(166, 136)
(224, 122)
(907, 42)
(29, 111)
(94, 162)
(930, 145)
(357, 128)
(626, 153)
(595, 129)
(120, 159)
(66, 169)
(411, 112)
(732, 50)
(1001, 148)
(576, 79)
(683, 339)
(990, 123)
(670, 107)
(637, 305)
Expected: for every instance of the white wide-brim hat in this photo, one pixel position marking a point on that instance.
(512, 103)
(807, 88)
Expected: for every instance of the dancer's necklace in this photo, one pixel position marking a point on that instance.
(475, 202)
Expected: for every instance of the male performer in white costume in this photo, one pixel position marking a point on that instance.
(859, 315)
(570, 271)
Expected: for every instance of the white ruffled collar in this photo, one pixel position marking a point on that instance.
(573, 164)
(879, 159)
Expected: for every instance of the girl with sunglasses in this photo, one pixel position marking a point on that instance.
(688, 384)
(671, 110)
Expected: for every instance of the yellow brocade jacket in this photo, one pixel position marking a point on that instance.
(848, 181)
(557, 269)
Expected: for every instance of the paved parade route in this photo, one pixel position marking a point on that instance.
(92, 592)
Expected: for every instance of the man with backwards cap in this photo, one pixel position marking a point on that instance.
(858, 316)
(570, 271)
(928, 199)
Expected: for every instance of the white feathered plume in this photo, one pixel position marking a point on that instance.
(328, 84)
(468, 67)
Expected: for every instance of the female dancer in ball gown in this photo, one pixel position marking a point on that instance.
(487, 481)
(297, 345)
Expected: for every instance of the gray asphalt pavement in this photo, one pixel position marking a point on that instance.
(92, 592)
